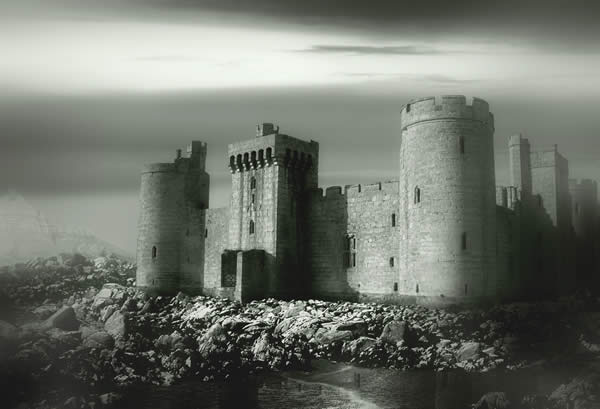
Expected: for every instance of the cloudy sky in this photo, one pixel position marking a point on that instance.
(91, 90)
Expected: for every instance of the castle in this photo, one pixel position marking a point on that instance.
(442, 233)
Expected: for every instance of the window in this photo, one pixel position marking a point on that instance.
(350, 251)
(205, 233)
(269, 154)
(461, 144)
(407, 107)
(417, 195)
(417, 289)
(391, 261)
(251, 227)
(393, 219)
(463, 241)
(253, 198)
(253, 183)
(153, 251)
(395, 286)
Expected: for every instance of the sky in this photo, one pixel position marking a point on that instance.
(92, 90)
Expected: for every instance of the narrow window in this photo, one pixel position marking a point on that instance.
(466, 288)
(417, 195)
(253, 198)
(395, 286)
(251, 226)
(353, 259)
(269, 154)
(407, 107)
(153, 251)
(393, 219)
(461, 144)
(253, 183)
(232, 161)
(205, 233)
(391, 261)
(463, 241)
(417, 289)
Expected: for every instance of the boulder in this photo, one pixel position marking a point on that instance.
(44, 311)
(394, 332)
(468, 351)
(106, 312)
(358, 327)
(100, 339)
(260, 349)
(324, 336)
(64, 319)
(493, 400)
(355, 347)
(116, 325)
(8, 332)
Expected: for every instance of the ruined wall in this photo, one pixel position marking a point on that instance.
(447, 199)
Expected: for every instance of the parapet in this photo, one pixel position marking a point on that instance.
(159, 168)
(448, 107)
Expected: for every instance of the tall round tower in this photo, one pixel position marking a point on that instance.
(162, 211)
(447, 199)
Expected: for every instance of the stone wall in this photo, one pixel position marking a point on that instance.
(216, 233)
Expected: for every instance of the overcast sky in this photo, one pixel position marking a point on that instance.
(91, 90)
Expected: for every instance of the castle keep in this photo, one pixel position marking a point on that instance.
(443, 232)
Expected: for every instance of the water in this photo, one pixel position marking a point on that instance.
(341, 386)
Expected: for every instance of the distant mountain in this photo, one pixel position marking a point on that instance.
(25, 234)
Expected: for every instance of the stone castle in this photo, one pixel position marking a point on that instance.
(442, 233)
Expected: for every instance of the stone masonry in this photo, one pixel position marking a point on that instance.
(442, 233)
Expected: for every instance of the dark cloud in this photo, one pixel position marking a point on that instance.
(371, 50)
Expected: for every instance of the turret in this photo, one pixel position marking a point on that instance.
(448, 198)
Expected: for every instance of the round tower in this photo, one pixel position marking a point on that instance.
(162, 215)
(447, 199)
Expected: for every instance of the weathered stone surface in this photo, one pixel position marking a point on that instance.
(394, 332)
(358, 345)
(324, 336)
(44, 311)
(468, 351)
(64, 318)
(116, 325)
(99, 339)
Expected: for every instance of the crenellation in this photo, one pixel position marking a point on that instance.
(442, 233)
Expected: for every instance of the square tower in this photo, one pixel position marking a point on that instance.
(269, 175)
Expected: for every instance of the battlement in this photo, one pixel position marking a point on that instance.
(159, 168)
(517, 140)
(272, 149)
(444, 108)
(387, 186)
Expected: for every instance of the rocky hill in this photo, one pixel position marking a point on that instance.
(25, 233)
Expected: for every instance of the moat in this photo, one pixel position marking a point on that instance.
(343, 386)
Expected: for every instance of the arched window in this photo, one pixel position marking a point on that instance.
(252, 182)
(408, 110)
(261, 155)
(232, 161)
(393, 219)
(463, 241)
(153, 251)
(461, 144)
(238, 160)
(251, 229)
(246, 158)
(417, 195)
(269, 153)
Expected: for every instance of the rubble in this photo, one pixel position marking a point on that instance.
(107, 335)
